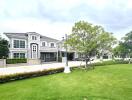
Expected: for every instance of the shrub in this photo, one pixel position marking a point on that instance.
(19, 76)
(15, 61)
(111, 62)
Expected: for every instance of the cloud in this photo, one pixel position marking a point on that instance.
(54, 18)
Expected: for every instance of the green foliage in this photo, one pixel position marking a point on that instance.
(111, 62)
(20, 76)
(88, 39)
(124, 49)
(15, 61)
(4, 48)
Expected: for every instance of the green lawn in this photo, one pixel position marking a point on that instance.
(113, 82)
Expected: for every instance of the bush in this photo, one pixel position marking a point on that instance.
(111, 62)
(19, 76)
(15, 61)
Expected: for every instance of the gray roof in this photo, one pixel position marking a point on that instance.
(25, 36)
(48, 39)
(17, 35)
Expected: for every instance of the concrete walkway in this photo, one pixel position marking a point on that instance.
(32, 68)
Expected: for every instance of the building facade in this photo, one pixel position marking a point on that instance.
(32, 45)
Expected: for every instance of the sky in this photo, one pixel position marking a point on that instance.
(55, 18)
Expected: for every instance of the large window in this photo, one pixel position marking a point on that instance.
(19, 55)
(16, 43)
(19, 44)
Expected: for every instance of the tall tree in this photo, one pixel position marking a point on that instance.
(87, 38)
(4, 48)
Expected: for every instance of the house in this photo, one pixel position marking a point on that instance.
(32, 45)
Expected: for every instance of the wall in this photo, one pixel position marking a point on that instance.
(2, 63)
(33, 61)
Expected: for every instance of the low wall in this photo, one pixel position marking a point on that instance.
(33, 61)
(2, 63)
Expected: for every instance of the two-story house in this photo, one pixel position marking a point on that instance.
(32, 45)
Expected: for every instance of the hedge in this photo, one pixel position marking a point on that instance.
(19, 76)
(15, 61)
(111, 62)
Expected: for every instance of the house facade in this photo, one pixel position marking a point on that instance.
(32, 45)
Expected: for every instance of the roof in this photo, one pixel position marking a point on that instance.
(16, 35)
(48, 39)
(25, 36)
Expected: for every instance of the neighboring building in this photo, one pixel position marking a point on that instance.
(32, 45)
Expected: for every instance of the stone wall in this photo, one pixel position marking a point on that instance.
(2, 63)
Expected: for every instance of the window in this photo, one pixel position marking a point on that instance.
(48, 55)
(34, 38)
(22, 55)
(52, 45)
(19, 44)
(22, 44)
(16, 55)
(43, 44)
(34, 48)
(19, 55)
(16, 43)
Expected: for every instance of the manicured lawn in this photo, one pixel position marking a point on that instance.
(113, 82)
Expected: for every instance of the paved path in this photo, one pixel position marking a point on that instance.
(31, 68)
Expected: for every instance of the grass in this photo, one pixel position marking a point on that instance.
(112, 82)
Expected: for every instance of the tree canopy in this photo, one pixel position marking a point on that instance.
(88, 38)
(124, 49)
(4, 48)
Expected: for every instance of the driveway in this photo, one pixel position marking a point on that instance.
(32, 68)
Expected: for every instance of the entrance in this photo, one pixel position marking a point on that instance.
(34, 48)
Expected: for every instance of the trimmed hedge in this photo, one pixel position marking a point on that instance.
(111, 62)
(15, 61)
(19, 76)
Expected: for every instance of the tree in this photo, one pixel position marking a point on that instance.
(128, 43)
(120, 50)
(88, 39)
(124, 49)
(4, 48)
(106, 40)
(125, 46)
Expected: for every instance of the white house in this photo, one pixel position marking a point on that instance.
(32, 45)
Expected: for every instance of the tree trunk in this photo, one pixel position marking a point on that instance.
(86, 63)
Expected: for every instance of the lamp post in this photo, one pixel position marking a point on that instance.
(66, 68)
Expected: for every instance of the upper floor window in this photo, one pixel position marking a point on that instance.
(44, 44)
(34, 38)
(19, 44)
(52, 45)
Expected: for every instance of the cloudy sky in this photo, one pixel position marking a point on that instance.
(54, 18)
